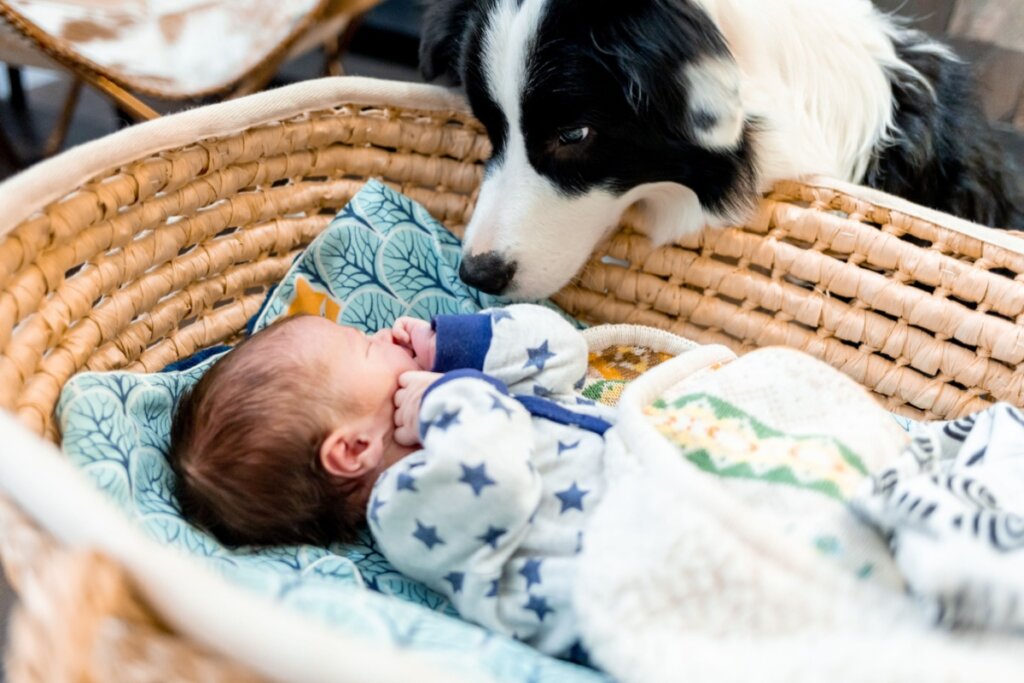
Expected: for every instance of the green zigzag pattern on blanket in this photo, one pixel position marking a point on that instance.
(722, 439)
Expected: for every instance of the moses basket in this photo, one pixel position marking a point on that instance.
(144, 247)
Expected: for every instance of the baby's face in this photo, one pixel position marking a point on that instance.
(366, 366)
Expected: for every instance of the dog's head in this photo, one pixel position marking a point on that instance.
(591, 106)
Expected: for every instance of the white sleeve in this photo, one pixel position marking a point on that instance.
(452, 514)
(531, 349)
(535, 351)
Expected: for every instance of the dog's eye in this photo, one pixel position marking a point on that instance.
(573, 136)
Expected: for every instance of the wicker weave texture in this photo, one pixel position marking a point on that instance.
(148, 262)
(173, 252)
(923, 315)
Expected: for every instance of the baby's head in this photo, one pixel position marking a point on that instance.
(282, 439)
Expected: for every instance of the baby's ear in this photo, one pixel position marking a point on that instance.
(349, 454)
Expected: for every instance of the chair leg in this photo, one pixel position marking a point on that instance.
(19, 103)
(336, 47)
(60, 131)
(136, 109)
(9, 156)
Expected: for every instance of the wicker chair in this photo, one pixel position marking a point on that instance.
(141, 248)
(98, 43)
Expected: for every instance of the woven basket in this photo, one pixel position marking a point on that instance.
(146, 246)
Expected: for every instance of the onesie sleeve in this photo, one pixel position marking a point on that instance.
(452, 514)
(531, 349)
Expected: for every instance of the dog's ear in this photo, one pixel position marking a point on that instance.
(444, 23)
(677, 72)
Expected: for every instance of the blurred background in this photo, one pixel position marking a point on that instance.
(987, 33)
(372, 38)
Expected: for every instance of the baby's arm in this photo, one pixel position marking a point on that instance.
(452, 514)
(531, 349)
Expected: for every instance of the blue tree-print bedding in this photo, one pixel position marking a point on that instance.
(383, 256)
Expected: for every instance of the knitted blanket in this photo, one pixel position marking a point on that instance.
(725, 549)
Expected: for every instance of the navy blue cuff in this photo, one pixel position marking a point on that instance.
(462, 341)
(463, 374)
(549, 410)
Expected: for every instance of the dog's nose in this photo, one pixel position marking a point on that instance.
(488, 272)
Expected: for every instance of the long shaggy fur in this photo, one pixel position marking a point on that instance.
(687, 110)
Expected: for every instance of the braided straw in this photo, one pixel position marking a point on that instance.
(924, 316)
(159, 255)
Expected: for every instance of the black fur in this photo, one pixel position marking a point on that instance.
(944, 154)
(450, 49)
(613, 67)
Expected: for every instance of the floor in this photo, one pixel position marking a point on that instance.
(386, 49)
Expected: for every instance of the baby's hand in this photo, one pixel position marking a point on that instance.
(412, 386)
(419, 336)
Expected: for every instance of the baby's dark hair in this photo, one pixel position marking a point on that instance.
(245, 444)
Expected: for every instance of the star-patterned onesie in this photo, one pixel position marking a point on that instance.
(491, 511)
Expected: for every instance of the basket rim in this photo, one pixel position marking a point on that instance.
(1006, 239)
(190, 597)
(25, 194)
(30, 191)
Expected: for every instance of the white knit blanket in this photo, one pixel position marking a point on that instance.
(725, 549)
(952, 507)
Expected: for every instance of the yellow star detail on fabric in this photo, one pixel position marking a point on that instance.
(310, 301)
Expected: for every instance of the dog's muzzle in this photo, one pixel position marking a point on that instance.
(488, 272)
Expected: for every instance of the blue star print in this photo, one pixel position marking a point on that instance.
(499, 315)
(447, 420)
(492, 535)
(563, 447)
(406, 482)
(493, 592)
(499, 405)
(538, 606)
(376, 505)
(427, 535)
(572, 498)
(543, 392)
(578, 654)
(531, 572)
(455, 579)
(583, 401)
(539, 356)
(476, 477)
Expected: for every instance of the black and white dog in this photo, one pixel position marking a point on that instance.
(689, 109)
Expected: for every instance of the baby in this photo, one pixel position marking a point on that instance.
(462, 441)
